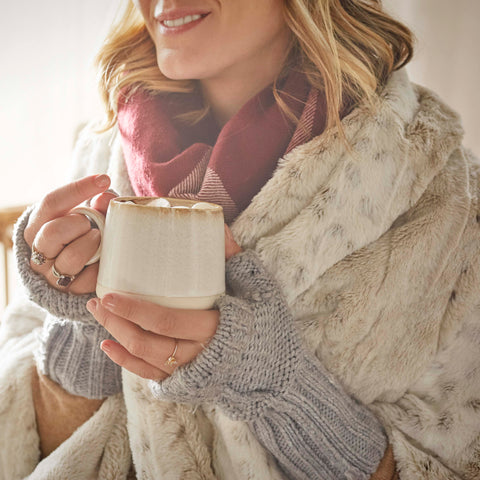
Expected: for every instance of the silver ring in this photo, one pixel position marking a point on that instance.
(63, 280)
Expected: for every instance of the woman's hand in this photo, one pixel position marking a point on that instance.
(67, 241)
(149, 334)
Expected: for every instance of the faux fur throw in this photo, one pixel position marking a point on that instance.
(377, 253)
(168, 157)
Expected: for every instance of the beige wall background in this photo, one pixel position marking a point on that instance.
(447, 58)
(48, 86)
(48, 83)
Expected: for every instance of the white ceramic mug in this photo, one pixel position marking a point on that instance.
(167, 251)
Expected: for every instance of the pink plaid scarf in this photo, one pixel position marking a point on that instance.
(229, 166)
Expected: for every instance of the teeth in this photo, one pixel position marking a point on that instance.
(181, 21)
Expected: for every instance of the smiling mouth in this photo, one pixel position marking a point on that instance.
(178, 22)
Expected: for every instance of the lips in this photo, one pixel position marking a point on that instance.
(179, 19)
(177, 13)
(178, 22)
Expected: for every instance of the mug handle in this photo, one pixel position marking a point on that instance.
(99, 220)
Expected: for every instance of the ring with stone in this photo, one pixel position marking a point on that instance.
(37, 257)
(171, 360)
(63, 280)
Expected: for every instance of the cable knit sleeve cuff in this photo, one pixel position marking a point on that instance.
(60, 304)
(340, 438)
(201, 380)
(70, 354)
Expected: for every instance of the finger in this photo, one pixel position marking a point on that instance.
(54, 235)
(71, 262)
(86, 281)
(73, 258)
(196, 325)
(100, 202)
(122, 357)
(231, 246)
(150, 347)
(60, 201)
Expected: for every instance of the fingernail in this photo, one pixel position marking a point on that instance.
(108, 301)
(105, 347)
(112, 191)
(92, 305)
(102, 180)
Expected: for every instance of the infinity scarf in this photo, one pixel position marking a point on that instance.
(228, 166)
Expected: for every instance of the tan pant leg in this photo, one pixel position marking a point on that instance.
(58, 413)
(386, 469)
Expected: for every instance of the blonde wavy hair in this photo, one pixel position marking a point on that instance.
(347, 48)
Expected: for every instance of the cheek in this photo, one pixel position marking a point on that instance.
(257, 26)
(143, 7)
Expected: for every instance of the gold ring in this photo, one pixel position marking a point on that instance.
(37, 257)
(63, 279)
(171, 360)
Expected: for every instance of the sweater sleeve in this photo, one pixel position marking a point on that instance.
(257, 369)
(69, 348)
(38, 290)
(316, 407)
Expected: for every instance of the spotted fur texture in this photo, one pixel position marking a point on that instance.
(376, 250)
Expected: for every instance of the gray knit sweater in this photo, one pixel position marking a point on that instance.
(255, 368)
(69, 351)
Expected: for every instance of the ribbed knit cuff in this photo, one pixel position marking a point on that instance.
(70, 355)
(59, 304)
(198, 381)
(316, 430)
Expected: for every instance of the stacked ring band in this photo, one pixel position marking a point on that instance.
(37, 257)
(63, 280)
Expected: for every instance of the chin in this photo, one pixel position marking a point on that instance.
(174, 74)
(189, 67)
(177, 70)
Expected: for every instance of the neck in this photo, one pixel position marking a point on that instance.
(226, 99)
(228, 92)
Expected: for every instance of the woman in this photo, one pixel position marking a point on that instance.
(351, 321)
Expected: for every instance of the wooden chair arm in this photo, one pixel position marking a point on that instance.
(8, 217)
